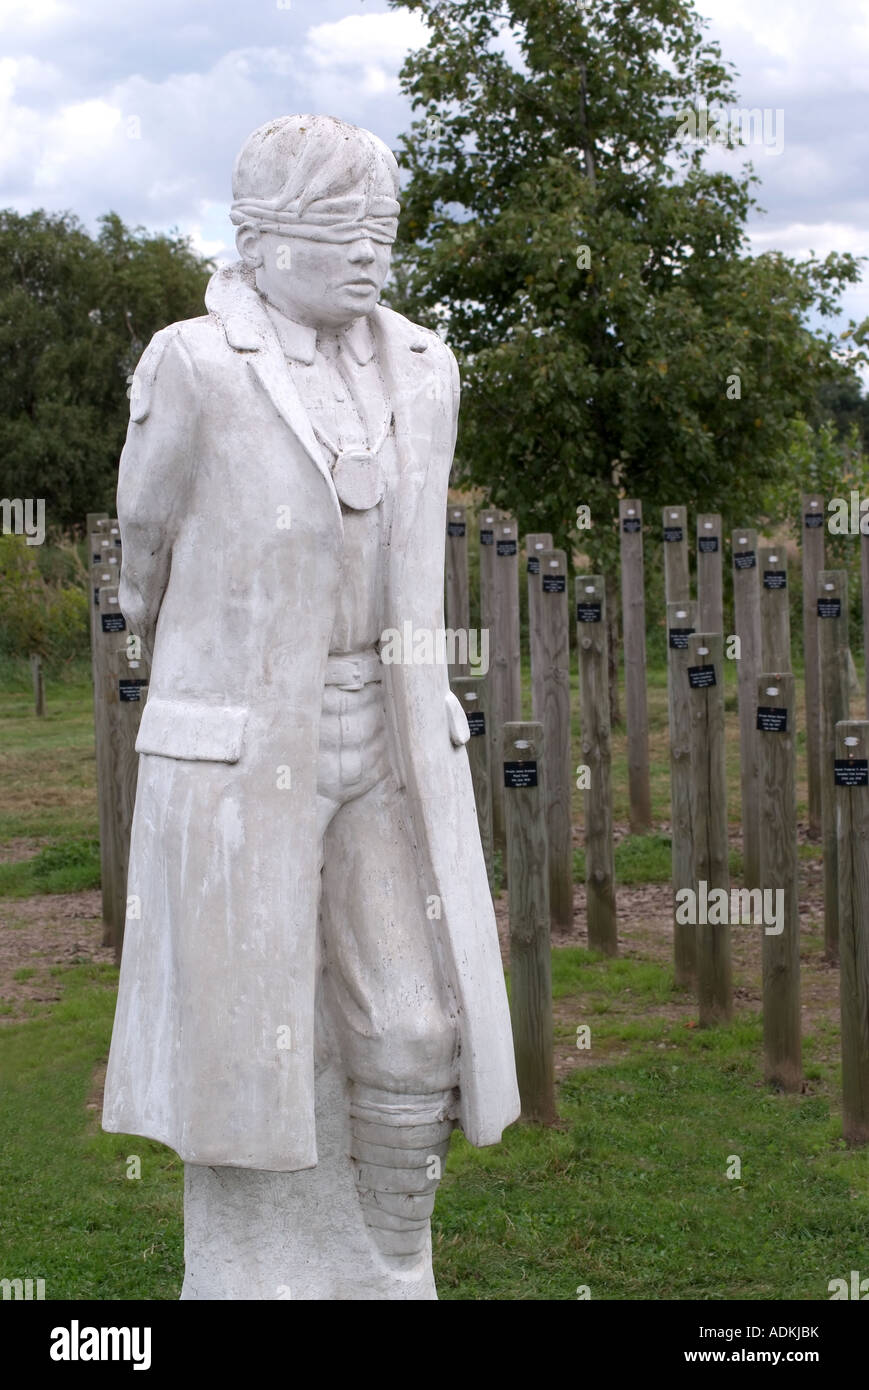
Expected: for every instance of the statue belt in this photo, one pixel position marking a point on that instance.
(354, 671)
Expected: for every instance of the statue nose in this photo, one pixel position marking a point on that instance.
(362, 250)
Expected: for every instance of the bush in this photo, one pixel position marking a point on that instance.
(47, 616)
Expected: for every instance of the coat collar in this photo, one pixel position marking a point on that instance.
(232, 297)
(250, 322)
(300, 342)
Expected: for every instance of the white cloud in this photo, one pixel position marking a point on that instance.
(142, 108)
(359, 57)
(206, 246)
(359, 40)
(802, 46)
(20, 18)
(94, 126)
(156, 143)
(801, 239)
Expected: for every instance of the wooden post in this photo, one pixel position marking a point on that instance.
(96, 522)
(746, 621)
(775, 613)
(600, 877)
(104, 574)
(554, 704)
(710, 600)
(457, 601)
(505, 680)
(488, 520)
(613, 604)
(111, 624)
(852, 798)
(853, 678)
(677, 578)
(473, 693)
(104, 559)
(524, 780)
(813, 563)
(634, 645)
(38, 684)
(711, 876)
(505, 671)
(129, 687)
(864, 585)
(831, 599)
(535, 543)
(779, 877)
(681, 624)
(105, 568)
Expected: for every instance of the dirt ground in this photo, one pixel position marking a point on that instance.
(645, 928)
(41, 936)
(38, 938)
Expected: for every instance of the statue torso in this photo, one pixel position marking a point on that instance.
(341, 386)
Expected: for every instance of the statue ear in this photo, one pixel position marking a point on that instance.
(247, 239)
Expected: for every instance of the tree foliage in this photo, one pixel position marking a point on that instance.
(76, 313)
(43, 614)
(564, 227)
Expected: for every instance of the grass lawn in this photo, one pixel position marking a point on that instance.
(628, 1195)
(47, 768)
(636, 1193)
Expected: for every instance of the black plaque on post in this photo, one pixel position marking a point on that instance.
(520, 774)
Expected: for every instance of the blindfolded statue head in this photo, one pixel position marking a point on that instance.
(316, 212)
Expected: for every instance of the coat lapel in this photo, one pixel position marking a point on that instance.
(232, 297)
(270, 369)
(405, 379)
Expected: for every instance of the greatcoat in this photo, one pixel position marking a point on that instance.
(232, 547)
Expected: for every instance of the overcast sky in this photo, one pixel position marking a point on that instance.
(139, 106)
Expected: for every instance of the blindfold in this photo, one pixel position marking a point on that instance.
(333, 219)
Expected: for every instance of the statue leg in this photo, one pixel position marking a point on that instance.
(399, 1147)
(389, 1003)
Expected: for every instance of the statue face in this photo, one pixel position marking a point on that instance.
(316, 205)
(324, 284)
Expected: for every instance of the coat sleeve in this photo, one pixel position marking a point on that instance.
(155, 474)
(456, 398)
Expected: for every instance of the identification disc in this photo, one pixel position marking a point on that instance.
(359, 480)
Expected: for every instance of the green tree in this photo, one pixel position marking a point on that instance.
(76, 313)
(562, 226)
(42, 616)
(843, 403)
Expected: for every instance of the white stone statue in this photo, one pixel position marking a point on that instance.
(311, 993)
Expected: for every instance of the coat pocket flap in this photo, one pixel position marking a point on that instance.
(192, 731)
